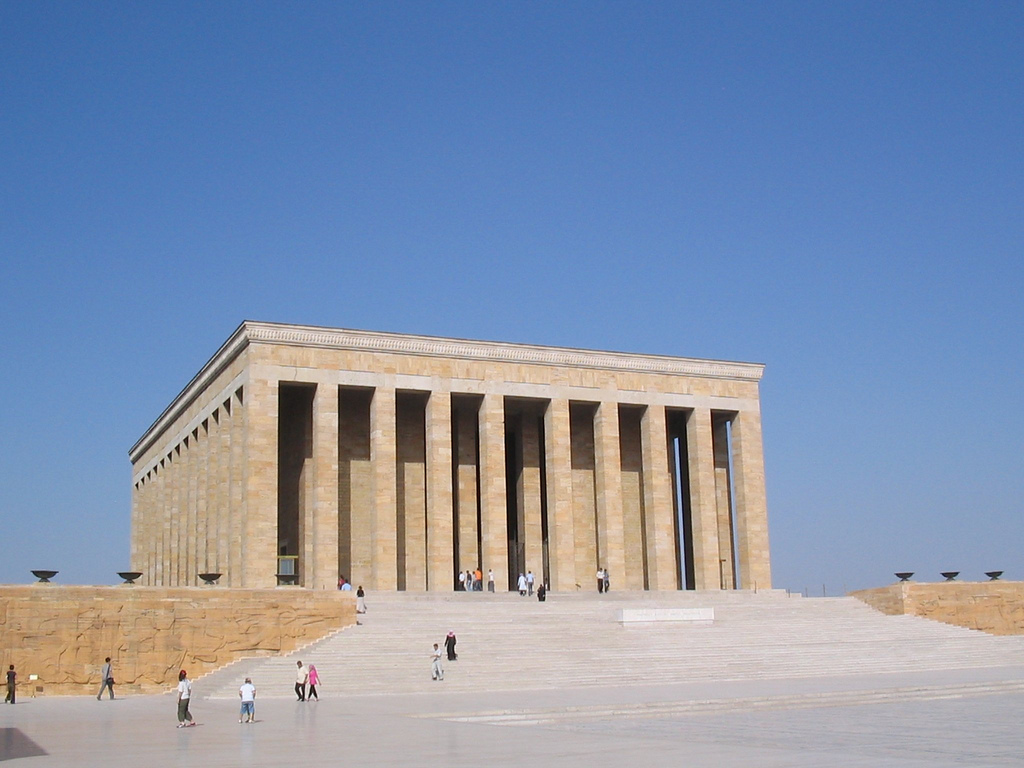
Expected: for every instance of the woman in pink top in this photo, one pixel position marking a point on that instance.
(314, 681)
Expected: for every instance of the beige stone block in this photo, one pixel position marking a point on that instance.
(259, 555)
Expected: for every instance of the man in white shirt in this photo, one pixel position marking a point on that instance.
(529, 583)
(301, 678)
(247, 693)
(436, 670)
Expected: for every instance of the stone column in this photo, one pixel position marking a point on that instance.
(659, 514)
(383, 458)
(440, 564)
(236, 492)
(703, 504)
(212, 535)
(260, 535)
(467, 420)
(493, 520)
(223, 492)
(751, 505)
(723, 501)
(530, 493)
(558, 470)
(608, 483)
(198, 533)
(321, 540)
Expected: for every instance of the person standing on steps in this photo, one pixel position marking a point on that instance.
(247, 693)
(529, 583)
(521, 584)
(107, 674)
(607, 581)
(490, 580)
(462, 580)
(360, 600)
(184, 696)
(12, 684)
(436, 670)
(600, 580)
(449, 644)
(541, 592)
(314, 681)
(478, 580)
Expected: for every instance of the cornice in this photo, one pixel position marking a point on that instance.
(501, 352)
(251, 332)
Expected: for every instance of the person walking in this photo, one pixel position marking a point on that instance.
(490, 580)
(462, 580)
(107, 674)
(600, 580)
(607, 581)
(449, 644)
(522, 585)
(360, 600)
(478, 580)
(247, 693)
(301, 678)
(12, 683)
(314, 681)
(529, 583)
(184, 696)
(436, 670)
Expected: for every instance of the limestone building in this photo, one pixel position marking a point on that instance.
(299, 453)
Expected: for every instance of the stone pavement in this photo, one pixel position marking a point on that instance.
(935, 719)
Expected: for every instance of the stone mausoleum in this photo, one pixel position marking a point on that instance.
(300, 453)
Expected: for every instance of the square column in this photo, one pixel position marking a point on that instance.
(493, 520)
(530, 496)
(703, 502)
(608, 486)
(321, 539)
(558, 471)
(260, 496)
(751, 504)
(440, 562)
(723, 500)
(236, 495)
(659, 514)
(383, 462)
(467, 419)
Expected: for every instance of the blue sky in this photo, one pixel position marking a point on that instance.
(833, 189)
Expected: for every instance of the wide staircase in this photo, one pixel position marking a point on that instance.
(508, 642)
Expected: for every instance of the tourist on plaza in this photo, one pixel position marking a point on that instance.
(542, 592)
(346, 587)
(462, 580)
(522, 585)
(607, 581)
(314, 681)
(469, 581)
(360, 600)
(436, 670)
(478, 580)
(449, 644)
(490, 580)
(341, 582)
(600, 580)
(107, 675)
(184, 696)
(12, 682)
(529, 583)
(301, 678)
(247, 693)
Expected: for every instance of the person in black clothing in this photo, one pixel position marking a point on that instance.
(449, 644)
(12, 678)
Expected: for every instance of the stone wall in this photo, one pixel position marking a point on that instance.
(63, 633)
(996, 607)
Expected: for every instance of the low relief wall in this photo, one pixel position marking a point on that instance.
(61, 634)
(996, 607)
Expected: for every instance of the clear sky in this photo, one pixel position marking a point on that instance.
(833, 189)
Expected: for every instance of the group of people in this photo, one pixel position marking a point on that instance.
(306, 676)
(603, 584)
(525, 584)
(473, 581)
(346, 586)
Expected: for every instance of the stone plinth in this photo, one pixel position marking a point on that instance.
(996, 607)
(63, 633)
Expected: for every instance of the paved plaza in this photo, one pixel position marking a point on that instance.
(935, 719)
